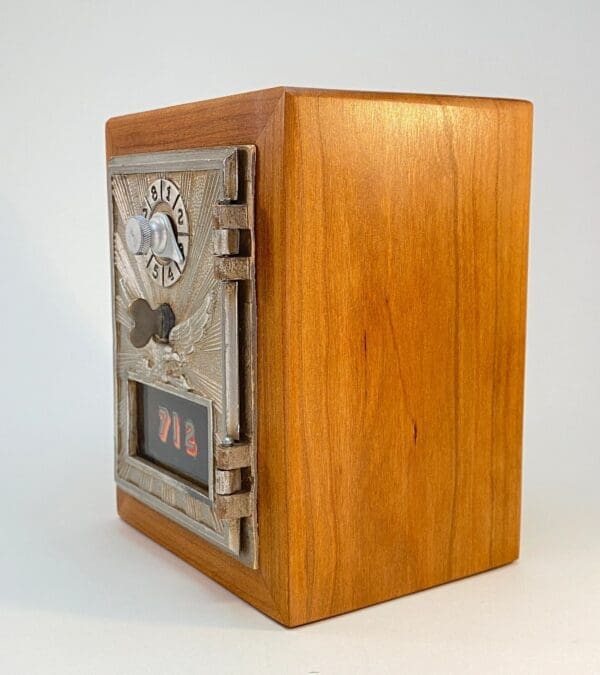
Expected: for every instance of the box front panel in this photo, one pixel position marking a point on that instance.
(183, 254)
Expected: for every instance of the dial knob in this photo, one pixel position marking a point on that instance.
(138, 235)
(157, 234)
(160, 235)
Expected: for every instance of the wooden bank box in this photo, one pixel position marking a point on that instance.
(319, 321)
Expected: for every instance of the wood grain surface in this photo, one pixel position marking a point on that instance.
(391, 262)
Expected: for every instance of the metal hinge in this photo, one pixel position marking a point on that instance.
(235, 456)
(230, 499)
(231, 502)
(233, 507)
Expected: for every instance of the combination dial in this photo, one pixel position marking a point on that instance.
(161, 233)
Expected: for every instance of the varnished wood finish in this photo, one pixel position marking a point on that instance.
(391, 280)
(240, 119)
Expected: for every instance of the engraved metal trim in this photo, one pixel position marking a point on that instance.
(206, 354)
(201, 159)
(231, 361)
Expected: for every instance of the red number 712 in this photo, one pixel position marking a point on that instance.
(168, 421)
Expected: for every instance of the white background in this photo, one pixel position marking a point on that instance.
(81, 592)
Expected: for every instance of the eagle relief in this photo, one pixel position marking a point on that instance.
(167, 361)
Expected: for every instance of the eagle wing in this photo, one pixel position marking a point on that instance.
(185, 335)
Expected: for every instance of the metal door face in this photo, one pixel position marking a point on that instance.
(184, 338)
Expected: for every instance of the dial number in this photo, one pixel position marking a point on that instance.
(164, 195)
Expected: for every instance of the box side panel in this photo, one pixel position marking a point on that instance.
(255, 119)
(407, 225)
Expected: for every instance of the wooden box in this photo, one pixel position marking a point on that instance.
(390, 267)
